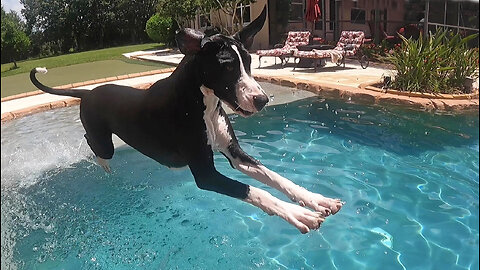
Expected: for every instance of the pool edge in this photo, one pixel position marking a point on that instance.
(359, 94)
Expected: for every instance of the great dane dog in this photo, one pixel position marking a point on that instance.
(179, 121)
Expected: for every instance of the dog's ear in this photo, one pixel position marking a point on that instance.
(188, 40)
(247, 34)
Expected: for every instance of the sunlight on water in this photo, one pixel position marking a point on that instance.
(410, 180)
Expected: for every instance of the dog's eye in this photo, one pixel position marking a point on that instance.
(229, 68)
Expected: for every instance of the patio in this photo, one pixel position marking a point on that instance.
(351, 83)
(351, 76)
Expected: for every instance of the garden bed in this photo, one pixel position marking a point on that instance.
(377, 86)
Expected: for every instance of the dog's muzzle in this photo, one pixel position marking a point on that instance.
(260, 101)
(250, 96)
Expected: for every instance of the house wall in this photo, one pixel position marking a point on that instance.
(261, 39)
(395, 14)
(218, 16)
(395, 18)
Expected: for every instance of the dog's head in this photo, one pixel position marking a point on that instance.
(225, 66)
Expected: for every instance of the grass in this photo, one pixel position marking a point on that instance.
(75, 67)
(114, 53)
(20, 83)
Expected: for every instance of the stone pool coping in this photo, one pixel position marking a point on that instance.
(363, 93)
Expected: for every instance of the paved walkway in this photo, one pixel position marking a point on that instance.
(352, 75)
(349, 82)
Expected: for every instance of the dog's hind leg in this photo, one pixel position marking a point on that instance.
(104, 164)
(102, 146)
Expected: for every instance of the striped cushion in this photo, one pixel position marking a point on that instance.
(294, 39)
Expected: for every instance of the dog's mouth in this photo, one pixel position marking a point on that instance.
(238, 110)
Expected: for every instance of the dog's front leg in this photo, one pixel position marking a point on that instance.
(208, 178)
(295, 192)
(229, 146)
(253, 168)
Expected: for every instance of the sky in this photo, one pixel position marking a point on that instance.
(12, 5)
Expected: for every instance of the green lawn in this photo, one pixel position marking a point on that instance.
(20, 83)
(114, 53)
(76, 67)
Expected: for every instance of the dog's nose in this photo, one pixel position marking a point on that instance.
(260, 101)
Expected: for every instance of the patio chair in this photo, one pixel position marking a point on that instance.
(294, 39)
(348, 45)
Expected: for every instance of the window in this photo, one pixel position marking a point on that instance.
(357, 16)
(296, 11)
(243, 14)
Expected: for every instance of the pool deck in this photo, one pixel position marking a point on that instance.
(350, 83)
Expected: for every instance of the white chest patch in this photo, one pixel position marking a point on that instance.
(217, 128)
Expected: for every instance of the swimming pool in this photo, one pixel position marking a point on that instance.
(410, 180)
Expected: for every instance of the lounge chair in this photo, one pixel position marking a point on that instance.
(348, 45)
(294, 39)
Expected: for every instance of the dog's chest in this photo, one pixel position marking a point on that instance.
(218, 135)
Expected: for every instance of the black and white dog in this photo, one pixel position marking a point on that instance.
(179, 121)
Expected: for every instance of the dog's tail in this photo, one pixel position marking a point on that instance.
(62, 92)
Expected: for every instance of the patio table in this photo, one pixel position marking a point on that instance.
(309, 62)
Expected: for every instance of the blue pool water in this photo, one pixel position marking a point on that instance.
(410, 180)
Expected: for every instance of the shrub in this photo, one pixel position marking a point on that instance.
(440, 63)
(161, 29)
(379, 52)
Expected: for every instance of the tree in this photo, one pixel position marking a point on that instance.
(15, 43)
(65, 25)
(135, 15)
(182, 11)
(55, 20)
(230, 7)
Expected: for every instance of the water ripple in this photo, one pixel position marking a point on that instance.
(410, 180)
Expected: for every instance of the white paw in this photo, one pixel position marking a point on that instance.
(303, 219)
(322, 204)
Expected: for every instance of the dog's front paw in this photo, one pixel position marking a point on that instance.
(303, 219)
(322, 204)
